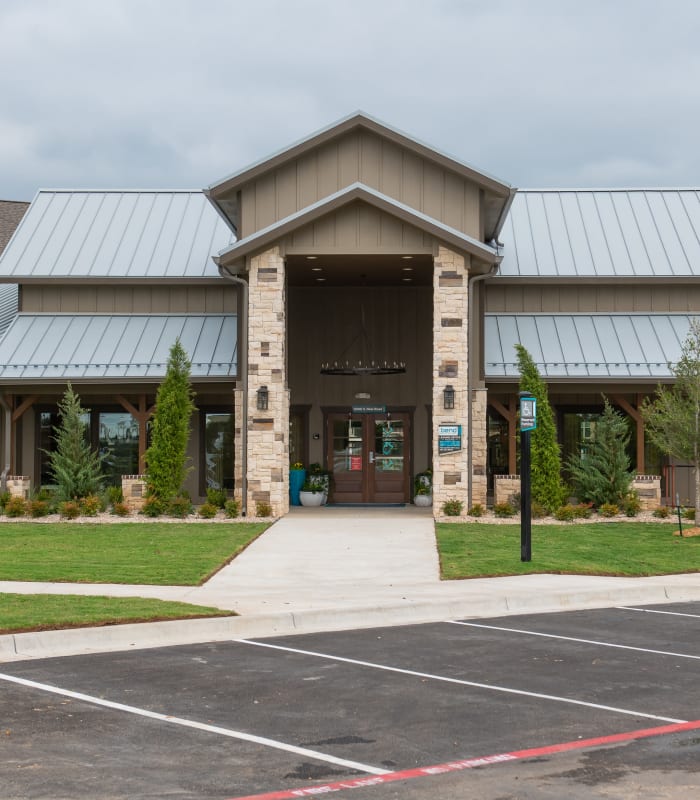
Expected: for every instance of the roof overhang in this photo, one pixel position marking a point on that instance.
(233, 257)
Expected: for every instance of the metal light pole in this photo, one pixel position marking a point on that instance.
(528, 423)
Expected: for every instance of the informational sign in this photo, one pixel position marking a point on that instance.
(528, 413)
(356, 463)
(369, 409)
(449, 438)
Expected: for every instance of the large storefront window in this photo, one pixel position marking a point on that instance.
(218, 450)
(114, 434)
(118, 445)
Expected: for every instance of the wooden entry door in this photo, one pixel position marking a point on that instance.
(369, 457)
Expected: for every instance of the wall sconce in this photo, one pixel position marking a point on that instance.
(262, 398)
(448, 397)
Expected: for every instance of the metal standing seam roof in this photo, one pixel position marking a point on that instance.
(113, 346)
(116, 234)
(586, 345)
(616, 233)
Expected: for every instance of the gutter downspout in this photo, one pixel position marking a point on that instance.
(470, 309)
(7, 442)
(243, 376)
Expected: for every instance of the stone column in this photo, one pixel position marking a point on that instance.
(450, 366)
(268, 431)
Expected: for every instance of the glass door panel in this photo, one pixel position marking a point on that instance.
(389, 460)
(347, 458)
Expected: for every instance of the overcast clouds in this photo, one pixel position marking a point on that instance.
(179, 93)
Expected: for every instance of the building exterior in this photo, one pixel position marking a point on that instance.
(351, 301)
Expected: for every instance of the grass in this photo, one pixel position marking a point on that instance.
(178, 554)
(474, 550)
(41, 612)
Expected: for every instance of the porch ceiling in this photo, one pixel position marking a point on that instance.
(354, 270)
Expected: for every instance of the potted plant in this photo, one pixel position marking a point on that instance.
(423, 488)
(311, 493)
(297, 476)
(319, 477)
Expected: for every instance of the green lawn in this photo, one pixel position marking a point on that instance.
(178, 554)
(41, 612)
(474, 550)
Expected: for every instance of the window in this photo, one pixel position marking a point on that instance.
(218, 450)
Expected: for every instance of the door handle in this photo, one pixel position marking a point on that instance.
(371, 456)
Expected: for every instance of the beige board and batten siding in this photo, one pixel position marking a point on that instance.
(109, 299)
(365, 157)
(629, 297)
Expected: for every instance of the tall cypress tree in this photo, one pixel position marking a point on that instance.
(74, 466)
(166, 458)
(545, 457)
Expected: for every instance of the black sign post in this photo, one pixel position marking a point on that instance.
(528, 423)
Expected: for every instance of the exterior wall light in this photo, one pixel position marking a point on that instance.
(448, 397)
(262, 398)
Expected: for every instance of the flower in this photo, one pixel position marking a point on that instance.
(297, 465)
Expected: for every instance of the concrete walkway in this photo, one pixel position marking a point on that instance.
(335, 568)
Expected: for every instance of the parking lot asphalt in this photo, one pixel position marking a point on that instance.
(594, 703)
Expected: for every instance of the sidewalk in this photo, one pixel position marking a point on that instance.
(335, 568)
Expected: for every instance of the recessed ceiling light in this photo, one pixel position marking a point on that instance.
(311, 258)
(316, 269)
(407, 280)
(320, 280)
(406, 258)
(406, 269)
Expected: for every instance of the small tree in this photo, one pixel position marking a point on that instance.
(166, 458)
(546, 484)
(602, 474)
(673, 418)
(74, 466)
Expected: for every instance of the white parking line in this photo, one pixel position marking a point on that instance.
(655, 611)
(458, 681)
(574, 639)
(188, 723)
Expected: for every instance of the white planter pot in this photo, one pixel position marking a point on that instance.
(311, 498)
(423, 500)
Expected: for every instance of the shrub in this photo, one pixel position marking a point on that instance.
(263, 509)
(91, 505)
(631, 505)
(152, 507)
(4, 497)
(608, 510)
(180, 507)
(452, 507)
(121, 509)
(566, 513)
(216, 497)
(15, 507)
(662, 512)
(208, 511)
(37, 508)
(583, 510)
(69, 509)
(477, 510)
(232, 508)
(537, 510)
(114, 495)
(689, 514)
(503, 510)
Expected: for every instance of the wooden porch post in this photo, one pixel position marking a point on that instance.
(633, 412)
(510, 415)
(141, 415)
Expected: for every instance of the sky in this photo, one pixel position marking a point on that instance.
(177, 94)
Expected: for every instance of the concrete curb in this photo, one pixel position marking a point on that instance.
(49, 644)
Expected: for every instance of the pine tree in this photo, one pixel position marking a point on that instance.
(166, 458)
(672, 419)
(546, 484)
(74, 466)
(602, 474)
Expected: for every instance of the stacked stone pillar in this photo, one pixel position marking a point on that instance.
(268, 430)
(450, 366)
